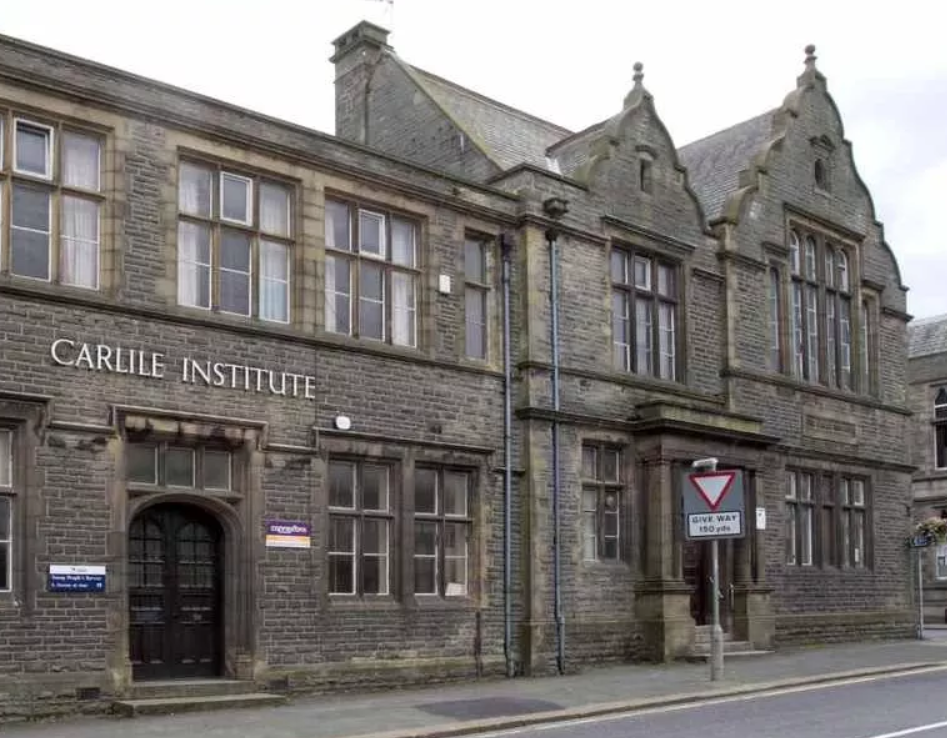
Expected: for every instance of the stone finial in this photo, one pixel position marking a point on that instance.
(639, 73)
(810, 57)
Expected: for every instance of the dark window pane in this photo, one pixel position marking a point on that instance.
(342, 535)
(235, 192)
(475, 263)
(375, 537)
(371, 233)
(375, 575)
(619, 268)
(179, 467)
(6, 507)
(425, 579)
(338, 226)
(425, 538)
(455, 493)
(141, 464)
(610, 548)
(235, 250)
(29, 252)
(341, 484)
(217, 469)
(341, 574)
(234, 292)
(425, 490)
(371, 306)
(32, 149)
(4, 566)
(375, 488)
(475, 329)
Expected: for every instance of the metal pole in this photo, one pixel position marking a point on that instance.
(920, 594)
(716, 634)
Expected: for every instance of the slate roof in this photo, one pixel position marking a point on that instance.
(714, 162)
(510, 136)
(927, 336)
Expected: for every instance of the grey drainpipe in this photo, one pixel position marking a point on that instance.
(555, 208)
(505, 247)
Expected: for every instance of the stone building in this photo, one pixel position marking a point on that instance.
(417, 401)
(927, 398)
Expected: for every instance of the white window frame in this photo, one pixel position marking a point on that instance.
(380, 218)
(50, 148)
(248, 198)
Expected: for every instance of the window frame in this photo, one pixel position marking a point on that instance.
(359, 515)
(478, 285)
(52, 184)
(625, 356)
(598, 484)
(216, 225)
(939, 424)
(441, 519)
(390, 267)
(828, 315)
(9, 498)
(161, 449)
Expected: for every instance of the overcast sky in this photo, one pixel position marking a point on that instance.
(708, 65)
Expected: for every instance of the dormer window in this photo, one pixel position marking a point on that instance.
(644, 175)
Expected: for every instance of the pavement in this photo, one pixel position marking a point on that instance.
(482, 705)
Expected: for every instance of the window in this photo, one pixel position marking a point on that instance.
(476, 290)
(865, 348)
(826, 520)
(940, 428)
(183, 467)
(601, 503)
(645, 297)
(940, 562)
(820, 174)
(55, 204)
(645, 182)
(360, 524)
(371, 274)
(821, 315)
(442, 527)
(6, 511)
(799, 515)
(234, 243)
(853, 533)
(775, 319)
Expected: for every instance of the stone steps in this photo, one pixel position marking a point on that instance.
(192, 695)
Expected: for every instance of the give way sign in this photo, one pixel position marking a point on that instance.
(713, 504)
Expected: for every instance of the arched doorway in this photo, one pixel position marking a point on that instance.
(175, 567)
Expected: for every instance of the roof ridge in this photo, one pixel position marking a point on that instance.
(928, 319)
(492, 101)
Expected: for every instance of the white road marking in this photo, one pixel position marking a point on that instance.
(633, 712)
(912, 731)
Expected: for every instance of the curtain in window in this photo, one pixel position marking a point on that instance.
(274, 209)
(193, 265)
(194, 188)
(402, 309)
(274, 281)
(79, 252)
(80, 162)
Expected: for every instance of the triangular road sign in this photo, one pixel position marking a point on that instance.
(713, 486)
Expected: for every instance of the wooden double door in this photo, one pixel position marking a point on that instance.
(175, 572)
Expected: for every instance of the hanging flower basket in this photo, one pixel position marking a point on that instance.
(935, 527)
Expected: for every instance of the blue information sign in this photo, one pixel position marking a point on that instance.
(63, 578)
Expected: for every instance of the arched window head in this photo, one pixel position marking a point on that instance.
(810, 257)
(843, 279)
(794, 251)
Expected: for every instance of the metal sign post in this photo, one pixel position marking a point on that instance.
(714, 508)
(919, 543)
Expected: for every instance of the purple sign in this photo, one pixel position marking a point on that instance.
(287, 534)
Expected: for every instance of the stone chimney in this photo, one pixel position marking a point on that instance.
(357, 53)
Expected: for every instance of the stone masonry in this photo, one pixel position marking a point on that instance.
(627, 186)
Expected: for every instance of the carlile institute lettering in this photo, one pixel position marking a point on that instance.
(115, 359)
